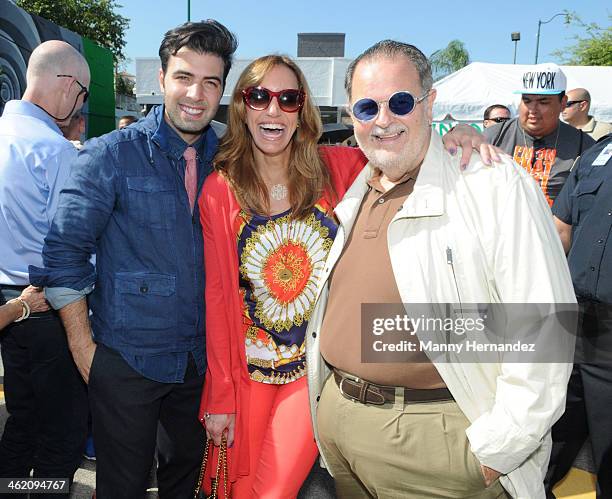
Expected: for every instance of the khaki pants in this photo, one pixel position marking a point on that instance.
(399, 451)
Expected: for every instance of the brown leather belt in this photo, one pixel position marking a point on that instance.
(369, 393)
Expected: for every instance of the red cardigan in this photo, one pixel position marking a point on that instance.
(226, 387)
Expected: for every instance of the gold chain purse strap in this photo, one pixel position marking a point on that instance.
(221, 468)
(196, 494)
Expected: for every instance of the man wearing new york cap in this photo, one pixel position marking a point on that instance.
(537, 139)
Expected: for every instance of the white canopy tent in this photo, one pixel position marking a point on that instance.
(465, 94)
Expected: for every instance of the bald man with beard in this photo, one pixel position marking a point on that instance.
(44, 393)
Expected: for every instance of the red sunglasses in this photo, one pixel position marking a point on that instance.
(259, 98)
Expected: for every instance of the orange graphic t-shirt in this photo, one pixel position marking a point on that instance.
(538, 163)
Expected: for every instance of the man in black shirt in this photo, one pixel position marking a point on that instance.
(583, 215)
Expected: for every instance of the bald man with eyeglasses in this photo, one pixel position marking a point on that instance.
(45, 395)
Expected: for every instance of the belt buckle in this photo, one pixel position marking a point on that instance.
(342, 380)
(368, 386)
(340, 387)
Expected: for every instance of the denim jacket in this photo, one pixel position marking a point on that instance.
(126, 202)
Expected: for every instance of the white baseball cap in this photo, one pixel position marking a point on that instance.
(544, 79)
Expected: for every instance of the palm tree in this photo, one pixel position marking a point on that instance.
(448, 60)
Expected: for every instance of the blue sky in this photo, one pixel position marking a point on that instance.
(272, 26)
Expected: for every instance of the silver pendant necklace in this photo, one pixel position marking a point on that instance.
(279, 192)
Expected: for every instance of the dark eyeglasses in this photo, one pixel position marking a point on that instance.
(83, 91)
(570, 103)
(259, 98)
(498, 120)
(400, 104)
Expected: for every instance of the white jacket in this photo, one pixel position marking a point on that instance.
(505, 249)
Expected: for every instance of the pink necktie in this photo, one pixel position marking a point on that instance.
(191, 175)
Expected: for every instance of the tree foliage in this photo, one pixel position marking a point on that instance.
(93, 19)
(449, 59)
(594, 49)
(123, 85)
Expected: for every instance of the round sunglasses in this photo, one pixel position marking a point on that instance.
(259, 98)
(400, 104)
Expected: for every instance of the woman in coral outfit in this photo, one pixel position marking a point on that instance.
(268, 226)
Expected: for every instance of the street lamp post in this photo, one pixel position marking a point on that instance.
(515, 37)
(540, 22)
(188, 10)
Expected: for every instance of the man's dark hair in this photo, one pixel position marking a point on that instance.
(204, 37)
(129, 118)
(391, 49)
(487, 112)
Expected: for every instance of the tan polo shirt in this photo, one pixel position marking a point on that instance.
(363, 274)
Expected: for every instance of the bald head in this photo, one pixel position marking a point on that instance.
(59, 96)
(578, 105)
(579, 94)
(55, 57)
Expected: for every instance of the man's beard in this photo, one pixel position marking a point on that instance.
(393, 164)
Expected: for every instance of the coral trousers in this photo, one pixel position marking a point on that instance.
(282, 445)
